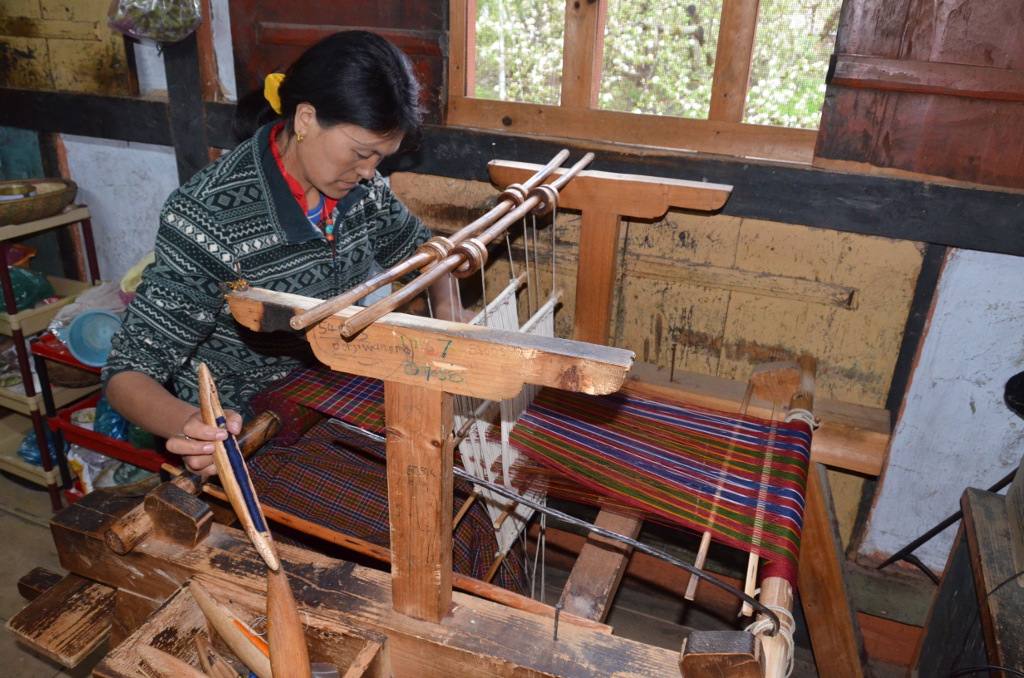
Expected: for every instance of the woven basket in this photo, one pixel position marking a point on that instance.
(52, 196)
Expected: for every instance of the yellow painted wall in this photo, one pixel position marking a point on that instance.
(62, 45)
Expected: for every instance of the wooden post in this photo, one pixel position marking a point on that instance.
(420, 444)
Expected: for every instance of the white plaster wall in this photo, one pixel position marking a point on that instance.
(955, 431)
(124, 185)
(149, 62)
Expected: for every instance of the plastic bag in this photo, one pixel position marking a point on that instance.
(29, 448)
(165, 21)
(29, 288)
(109, 422)
(106, 296)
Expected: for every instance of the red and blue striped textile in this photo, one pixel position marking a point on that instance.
(741, 478)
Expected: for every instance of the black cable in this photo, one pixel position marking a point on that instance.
(639, 546)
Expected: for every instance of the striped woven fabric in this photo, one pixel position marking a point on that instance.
(741, 478)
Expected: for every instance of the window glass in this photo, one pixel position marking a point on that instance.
(519, 50)
(794, 41)
(659, 58)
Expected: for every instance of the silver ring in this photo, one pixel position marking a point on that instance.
(191, 440)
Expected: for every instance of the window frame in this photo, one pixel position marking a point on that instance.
(578, 117)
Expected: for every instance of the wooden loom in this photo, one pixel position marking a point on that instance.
(424, 618)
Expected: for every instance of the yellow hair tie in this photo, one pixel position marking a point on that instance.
(270, 86)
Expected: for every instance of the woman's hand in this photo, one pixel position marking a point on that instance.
(195, 442)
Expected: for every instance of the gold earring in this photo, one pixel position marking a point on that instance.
(298, 137)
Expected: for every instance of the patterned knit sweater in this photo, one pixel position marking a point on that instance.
(237, 218)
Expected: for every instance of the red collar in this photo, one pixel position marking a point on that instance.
(293, 184)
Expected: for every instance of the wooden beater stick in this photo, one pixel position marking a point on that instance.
(358, 321)
(317, 313)
(289, 657)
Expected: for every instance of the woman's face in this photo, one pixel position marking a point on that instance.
(334, 159)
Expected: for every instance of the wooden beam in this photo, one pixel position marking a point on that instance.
(585, 124)
(459, 359)
(832, 620)
(582, 50)
(595, 577)
(733, 60)
(186, 114)
(420, 446)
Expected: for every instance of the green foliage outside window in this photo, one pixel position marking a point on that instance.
(659, 56)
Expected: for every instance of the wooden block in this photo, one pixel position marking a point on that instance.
(721, 654)
(178, 516)
(68, 621)
(36, 582)
(1002, 602)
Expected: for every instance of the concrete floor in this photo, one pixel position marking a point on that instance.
(24, 533)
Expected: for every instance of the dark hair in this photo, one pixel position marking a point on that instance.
(353, 77)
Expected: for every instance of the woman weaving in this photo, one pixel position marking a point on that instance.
(297, 207)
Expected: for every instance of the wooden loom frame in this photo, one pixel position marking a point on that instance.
(417, 477)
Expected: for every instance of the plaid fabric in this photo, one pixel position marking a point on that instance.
(353, 399)
(338, 480)
(741, 478)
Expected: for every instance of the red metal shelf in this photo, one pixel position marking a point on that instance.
(151, 460)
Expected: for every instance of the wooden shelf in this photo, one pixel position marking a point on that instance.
(12, 433)
(35, 320)
(14, 399)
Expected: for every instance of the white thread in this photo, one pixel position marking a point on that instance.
(765, 624)
(802, 415)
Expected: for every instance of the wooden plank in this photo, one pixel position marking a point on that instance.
(832, 622)
(1015, 518)
(420, 445)
(738, 280)
(473, 638)
(596, 575)
(733, 60)
(582, 50)
(627, 195)
(928, 77)
(67, 622)
(995, 576)
(952, 637)
(707, 136)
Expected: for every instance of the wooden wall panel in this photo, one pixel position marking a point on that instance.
(268, 35)
(946, 97)
(62, 45)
